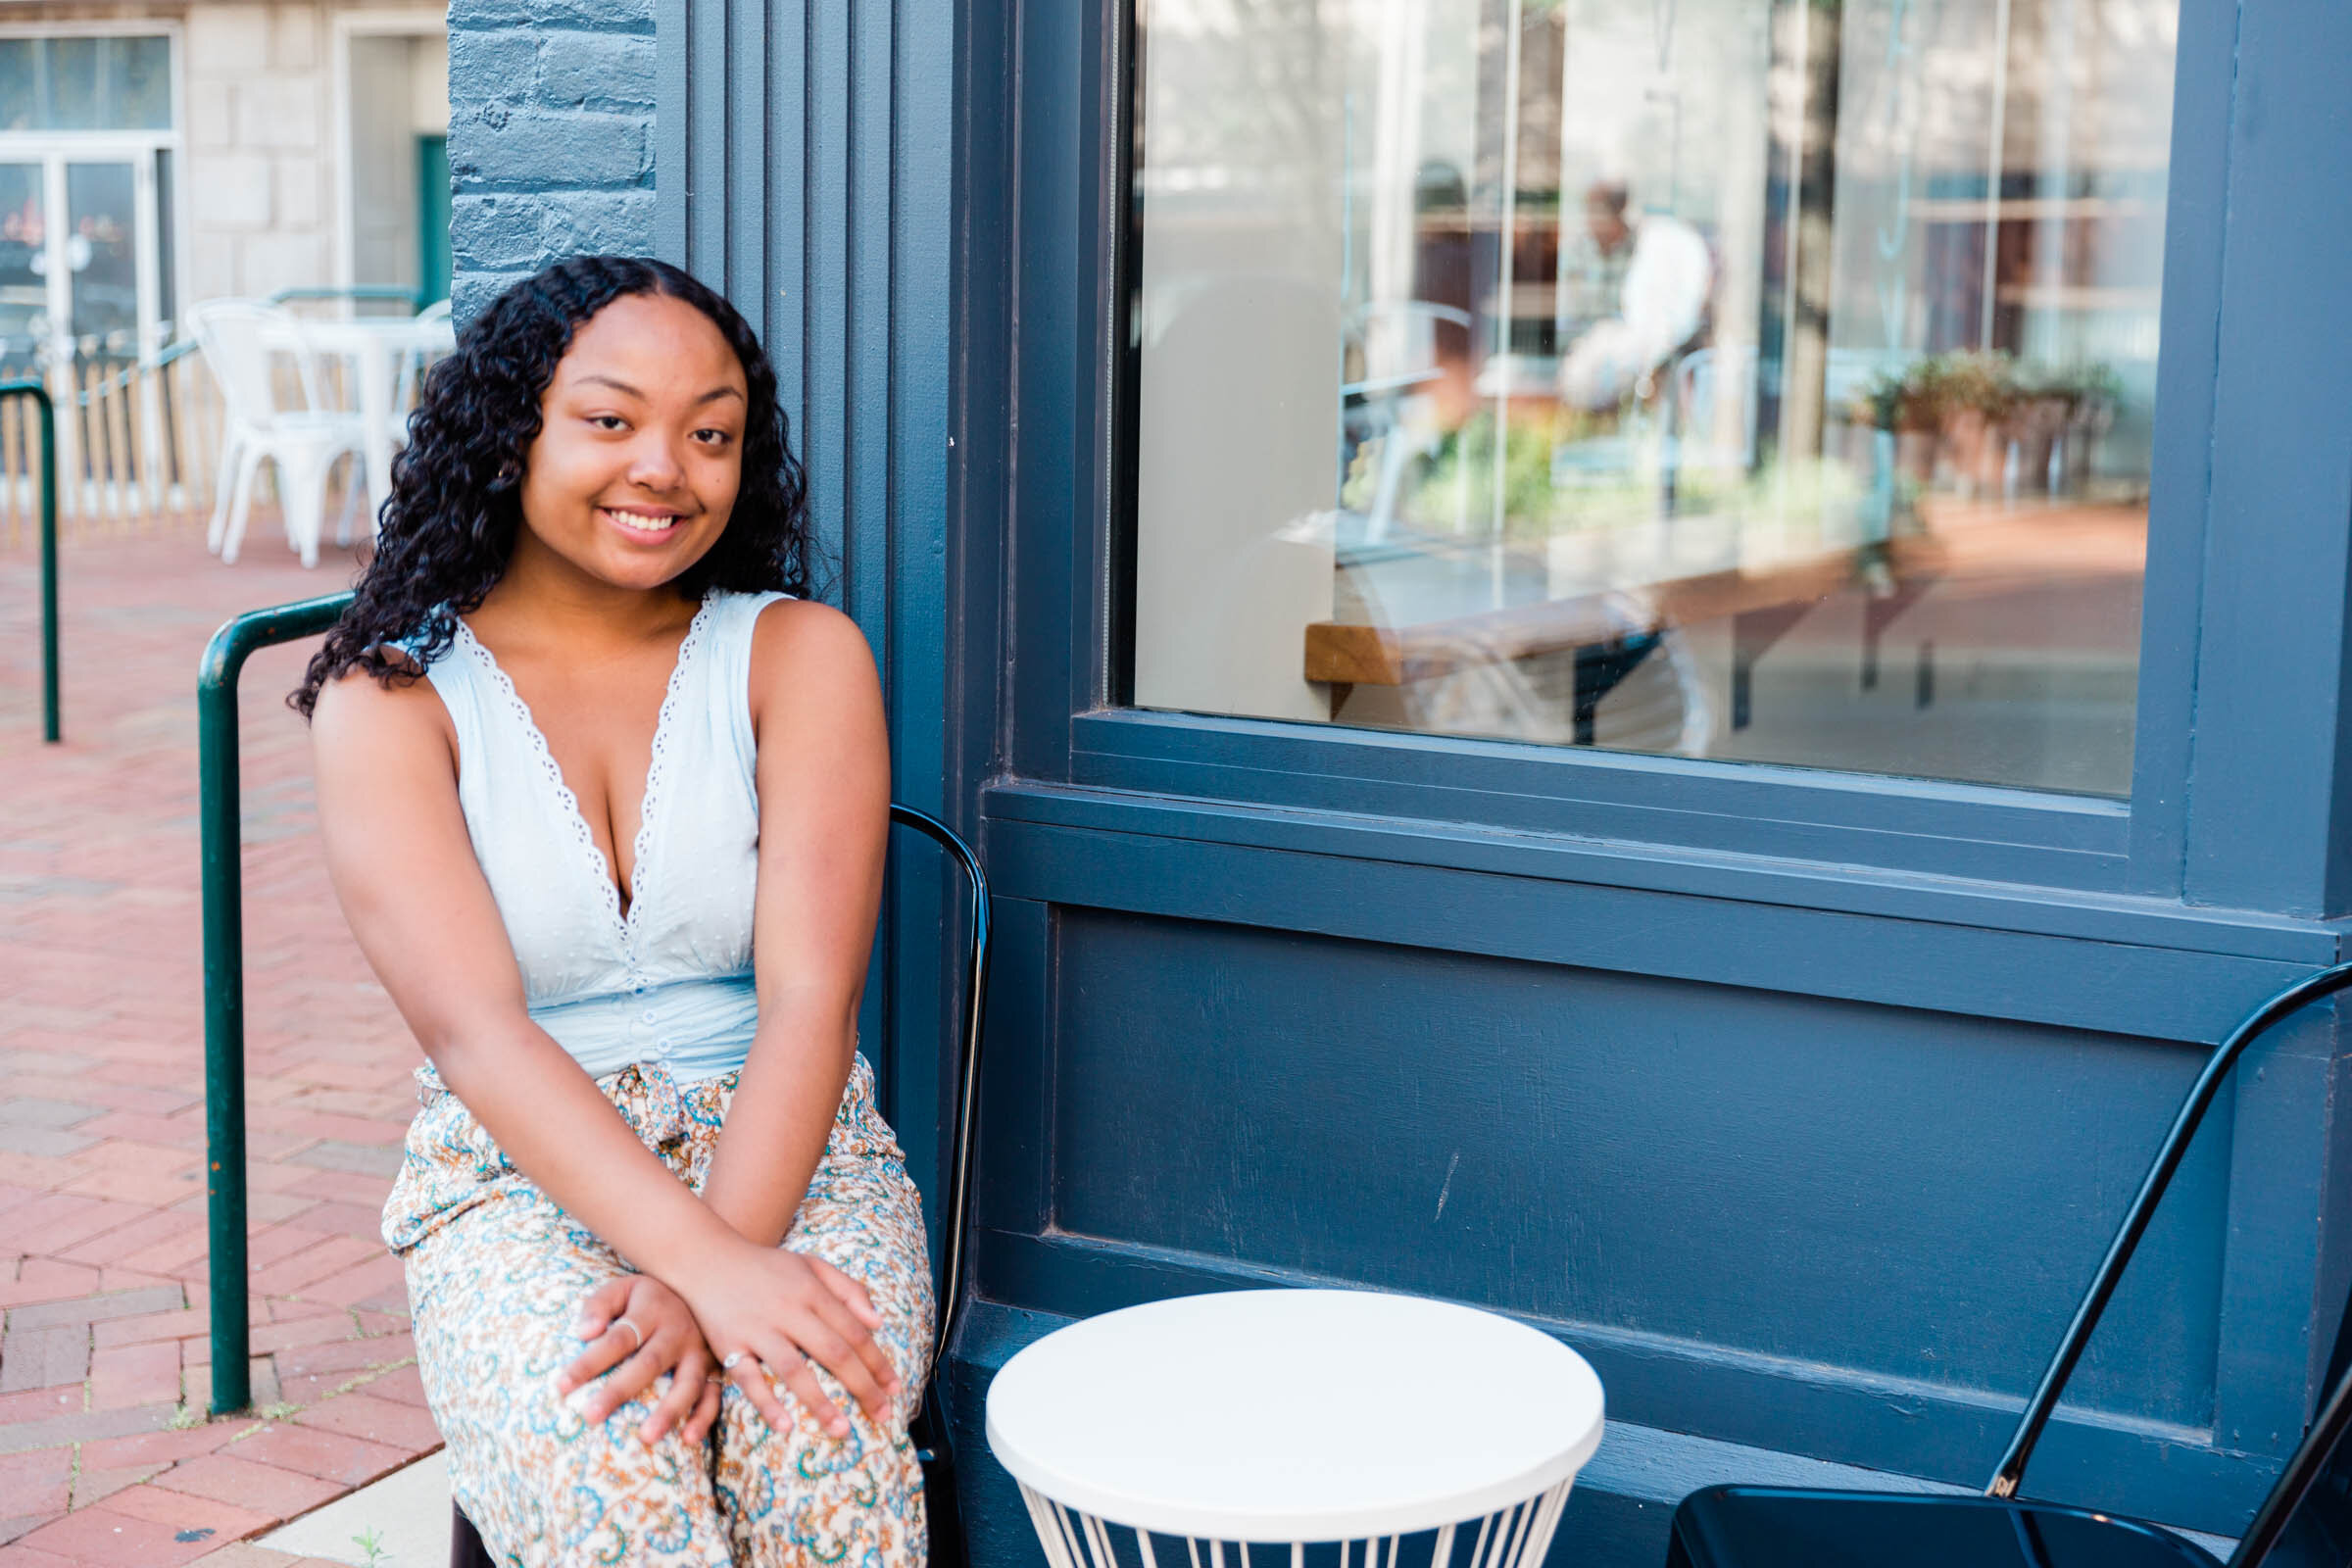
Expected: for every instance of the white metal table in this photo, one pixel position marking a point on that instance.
(1294, 1417)
(375, 345)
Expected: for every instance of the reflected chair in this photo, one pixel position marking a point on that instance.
(1391, 410)
(927, 1430)
(2306, 1521)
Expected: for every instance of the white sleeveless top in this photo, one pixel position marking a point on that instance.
(670, 983)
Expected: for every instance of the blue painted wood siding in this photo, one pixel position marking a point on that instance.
(1802, 1104)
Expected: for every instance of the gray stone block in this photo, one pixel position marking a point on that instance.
(597, 15)
(494, 66)
(497, 232)
(83, 1426)
(492, 147)
(595, 71)
(584, 16)
(42, 1358)
(471, 291)
(468, 15)
(97, 1309)
(597, 223)
(49, 1143)
(46, 1112)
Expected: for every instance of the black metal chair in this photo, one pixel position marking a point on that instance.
(2306, 1521)
(928, 1429)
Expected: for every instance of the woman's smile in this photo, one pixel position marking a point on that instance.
(644, 522)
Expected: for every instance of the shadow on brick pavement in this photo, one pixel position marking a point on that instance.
(104, 1363)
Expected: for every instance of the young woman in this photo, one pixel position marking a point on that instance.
(604, 803)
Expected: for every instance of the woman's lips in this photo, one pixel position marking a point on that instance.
(645, 524)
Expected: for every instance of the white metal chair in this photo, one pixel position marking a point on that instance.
(413, 365)
(239, 339)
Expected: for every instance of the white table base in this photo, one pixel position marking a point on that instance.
(1516, 1537)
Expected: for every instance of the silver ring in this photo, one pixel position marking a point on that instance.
(635, 1333)
(734, 1359)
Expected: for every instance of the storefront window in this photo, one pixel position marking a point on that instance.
(1756, 379)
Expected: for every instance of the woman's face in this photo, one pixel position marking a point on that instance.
(640, 449)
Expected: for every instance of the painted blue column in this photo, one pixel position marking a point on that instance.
(812, 162)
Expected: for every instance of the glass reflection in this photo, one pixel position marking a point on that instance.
(1762, 379)
(102, 257)
(24, 288)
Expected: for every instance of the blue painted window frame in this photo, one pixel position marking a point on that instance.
(2241, 720)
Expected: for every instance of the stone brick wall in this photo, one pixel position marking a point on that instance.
(259, 183)
(550, 135)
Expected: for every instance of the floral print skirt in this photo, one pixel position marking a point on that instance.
(496, 1275)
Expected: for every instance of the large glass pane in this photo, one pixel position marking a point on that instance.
(1757, 379)
(136, 78)
(19, 92)
(102, 253)
(90, 84)
(75, 85)
(23, 270)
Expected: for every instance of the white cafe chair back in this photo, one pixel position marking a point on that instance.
(241, 341)
(413, 365)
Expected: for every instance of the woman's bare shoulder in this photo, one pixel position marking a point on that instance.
(805, 640)
(359, 715)
(810, 660)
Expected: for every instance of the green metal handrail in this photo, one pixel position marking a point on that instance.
(353, 291)
(224, 970)
(131, 372)
(51, 722)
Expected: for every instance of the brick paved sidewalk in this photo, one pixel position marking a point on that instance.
(105, 1375)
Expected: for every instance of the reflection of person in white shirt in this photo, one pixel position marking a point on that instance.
(1663, 276)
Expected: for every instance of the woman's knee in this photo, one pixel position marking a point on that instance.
(804, 1483)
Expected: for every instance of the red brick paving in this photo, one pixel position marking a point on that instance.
(104, 1350)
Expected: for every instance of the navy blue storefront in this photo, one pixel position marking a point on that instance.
(1796, 1075)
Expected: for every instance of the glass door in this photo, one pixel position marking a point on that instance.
(102, 260)
(23, 269)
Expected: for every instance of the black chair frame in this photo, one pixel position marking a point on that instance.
(928, 1429)
(2304, 1468)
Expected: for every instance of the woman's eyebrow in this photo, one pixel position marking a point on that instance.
(618, 385)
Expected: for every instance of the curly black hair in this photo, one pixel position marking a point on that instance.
(446, 530)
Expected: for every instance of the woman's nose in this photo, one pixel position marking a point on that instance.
(655, 465)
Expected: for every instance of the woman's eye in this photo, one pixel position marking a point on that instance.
(712, 438)
(608, 422)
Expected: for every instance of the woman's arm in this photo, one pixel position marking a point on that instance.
(825, 809)
(414, 896)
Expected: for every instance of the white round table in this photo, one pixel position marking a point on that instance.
(375, 345)
(1296, 1417)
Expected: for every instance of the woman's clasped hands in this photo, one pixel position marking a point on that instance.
(760, 1317)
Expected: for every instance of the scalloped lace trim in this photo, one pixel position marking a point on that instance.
(657, 770)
